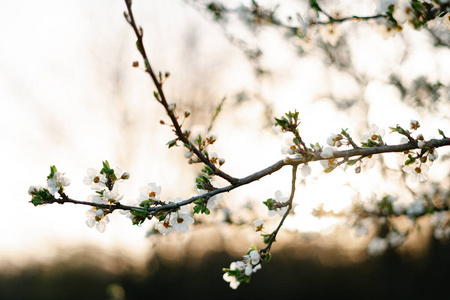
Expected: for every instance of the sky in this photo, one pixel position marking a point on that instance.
(69, 97)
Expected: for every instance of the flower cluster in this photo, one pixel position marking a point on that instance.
(241, 271)
(398, 13)
(174, 221)
(148, 197)
(56, 182)
(202, 144)
(382, 213)
(416, 163)
(106, 187)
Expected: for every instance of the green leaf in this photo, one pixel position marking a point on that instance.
(329, 169)
(266, 238)
(410, 160)
(106, 165)
(351, 162)
(140, 47)
(313, 4)
(198, 141)
(207, 170)
(441, 133)
(199, 201)
(52, 172)
(172, 143)
(36, 200)
(267, 257)
(162, 215)
(269, 203)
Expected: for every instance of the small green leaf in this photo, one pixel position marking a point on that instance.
(36, 200)
(198, 201)
(410, 160)
(172, 143)
(140, 47)
(52, 172)
(207, 170)
(329, 169)
(351, 162)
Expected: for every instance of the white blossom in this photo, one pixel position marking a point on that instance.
(373, 133)
(96, 198)
(96, 217)
(164, 227)
(56, 182)
(403, 11)
(288, 147)
(279, 210)
(327, 152)
(149, 192)
(377, 246)
(417, 171)
(212, 200)
(113, 196)
(258, 223)
(96, 180)
(32, 190)
(331, 33)
(305, 170)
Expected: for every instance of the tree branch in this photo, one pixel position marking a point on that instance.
(177, 128)
(346, 154)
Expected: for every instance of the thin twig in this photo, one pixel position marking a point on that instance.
(177, 128)
(274, 234)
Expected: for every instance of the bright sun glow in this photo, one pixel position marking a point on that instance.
(70, 97)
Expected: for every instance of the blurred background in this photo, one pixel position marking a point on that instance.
(69, 97)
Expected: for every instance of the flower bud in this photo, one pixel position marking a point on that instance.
(32, 190)
(135, 64)
(171, 107)
(125, 176)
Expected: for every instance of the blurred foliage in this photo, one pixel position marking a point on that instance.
(88, 275)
